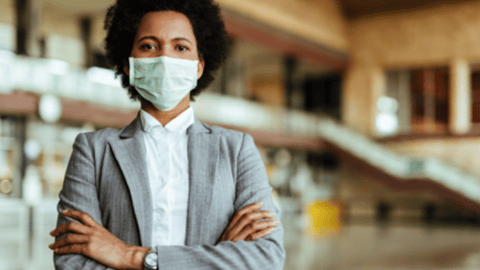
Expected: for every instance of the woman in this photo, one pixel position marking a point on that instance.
(166, 192)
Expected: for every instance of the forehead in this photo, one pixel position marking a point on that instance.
(161, 23)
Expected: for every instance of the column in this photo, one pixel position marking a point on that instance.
(405, 102)
(234, 72)
(86, 35)
(460, 99)
(28, 27)
(429, 95)
(290, 64)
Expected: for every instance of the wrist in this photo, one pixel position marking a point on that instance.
(136, 254)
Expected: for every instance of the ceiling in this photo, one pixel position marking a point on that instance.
(80, 6)
(352, 8)
(360, 8)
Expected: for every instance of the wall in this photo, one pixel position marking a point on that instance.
(426, 37)
(7, 10)
(320, 21)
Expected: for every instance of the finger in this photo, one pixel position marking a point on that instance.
(73, 227)
(80, 216)
(255, 227)
(250, 218)
(72, 249)
(259, 234)
(247, 209)
(70, 239)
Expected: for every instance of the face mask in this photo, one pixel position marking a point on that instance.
(163, 81)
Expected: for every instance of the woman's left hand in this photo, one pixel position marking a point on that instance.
(94, 241)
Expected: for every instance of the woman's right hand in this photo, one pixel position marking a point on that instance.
(250, 223)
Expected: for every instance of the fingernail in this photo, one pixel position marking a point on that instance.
(259, 203)
(272, 214)
(64, 211)
(270, 231)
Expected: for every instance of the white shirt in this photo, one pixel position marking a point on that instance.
(167, 165)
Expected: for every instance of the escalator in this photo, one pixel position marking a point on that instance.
(400, 172)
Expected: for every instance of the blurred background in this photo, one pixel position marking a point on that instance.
(366, 113)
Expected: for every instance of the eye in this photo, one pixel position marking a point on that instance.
(182, 48)
(148, 46)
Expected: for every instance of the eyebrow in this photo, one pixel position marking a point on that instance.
(155, 38)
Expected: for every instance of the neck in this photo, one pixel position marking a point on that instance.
(164, 117)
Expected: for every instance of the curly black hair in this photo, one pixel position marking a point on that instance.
(124, 17)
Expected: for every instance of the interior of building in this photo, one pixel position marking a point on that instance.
(366, 115)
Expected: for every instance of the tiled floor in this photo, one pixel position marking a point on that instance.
(400, 246)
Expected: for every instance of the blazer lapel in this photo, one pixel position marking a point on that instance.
(203, 147)
(129, 151)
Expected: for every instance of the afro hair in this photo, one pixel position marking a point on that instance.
(123, 19)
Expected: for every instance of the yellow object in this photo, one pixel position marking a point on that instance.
(324, 218)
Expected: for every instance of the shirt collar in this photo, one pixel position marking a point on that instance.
(178, 125)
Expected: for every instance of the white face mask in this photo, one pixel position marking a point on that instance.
(163, 81)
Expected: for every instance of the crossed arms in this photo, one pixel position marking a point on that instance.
(89, 244)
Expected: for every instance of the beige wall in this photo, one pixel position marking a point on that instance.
(431, 36)
(7, 10)
(320, 21)
(426, 37)
(54, 21)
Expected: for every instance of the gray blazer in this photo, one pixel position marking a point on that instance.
(107, 178)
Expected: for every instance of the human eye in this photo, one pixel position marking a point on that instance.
(147, 47)
(182, 48)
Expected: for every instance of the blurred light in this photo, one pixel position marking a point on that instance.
(32, 188)
(57, 67)
(386, 123)
(103, 76)
(32, 149)
(50, 108)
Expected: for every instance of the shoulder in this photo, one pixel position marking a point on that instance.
(232, 139)
(103, 134)
(229, 135)
(97, 138)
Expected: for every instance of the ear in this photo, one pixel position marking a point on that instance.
(201, 65)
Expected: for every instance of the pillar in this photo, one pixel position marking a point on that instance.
(86, 35)
(460, 97)
(290, 64)
(429, 95)
(28, 27)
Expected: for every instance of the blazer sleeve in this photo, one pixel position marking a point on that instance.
(79, 192)
(264, 253)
